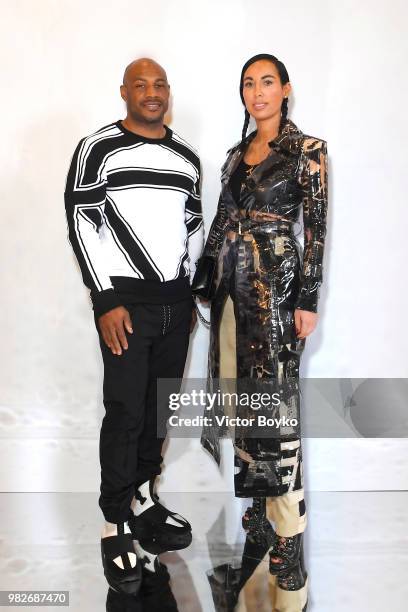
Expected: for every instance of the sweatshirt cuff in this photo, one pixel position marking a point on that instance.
(103, 301)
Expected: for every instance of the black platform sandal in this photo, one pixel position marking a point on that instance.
(288, 549)
(127, 580)
(155, 527)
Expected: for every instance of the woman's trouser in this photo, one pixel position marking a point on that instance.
(287, 511)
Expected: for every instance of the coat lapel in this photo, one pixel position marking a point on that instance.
(287, 142)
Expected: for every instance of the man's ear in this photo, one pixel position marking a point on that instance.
(123, 92)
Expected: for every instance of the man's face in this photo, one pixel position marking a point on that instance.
(146, 92)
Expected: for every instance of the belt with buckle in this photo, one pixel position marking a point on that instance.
(245, 226)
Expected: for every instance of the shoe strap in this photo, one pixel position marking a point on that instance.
(140, 497)
(114, 546)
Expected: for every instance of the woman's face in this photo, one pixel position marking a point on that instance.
(263, 91)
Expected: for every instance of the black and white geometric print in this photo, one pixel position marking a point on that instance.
(133, 207)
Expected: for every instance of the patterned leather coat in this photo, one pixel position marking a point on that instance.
(264, 269)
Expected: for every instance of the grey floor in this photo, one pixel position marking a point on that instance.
(356, 548)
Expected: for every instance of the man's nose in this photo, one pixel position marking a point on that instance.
(150, 91)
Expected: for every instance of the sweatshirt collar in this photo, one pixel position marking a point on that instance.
(139, 138)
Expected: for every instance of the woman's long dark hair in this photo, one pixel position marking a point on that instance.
(284, 78)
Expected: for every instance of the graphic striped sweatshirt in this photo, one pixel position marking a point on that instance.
(134, 216)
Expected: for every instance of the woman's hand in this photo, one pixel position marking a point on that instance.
(305, 322)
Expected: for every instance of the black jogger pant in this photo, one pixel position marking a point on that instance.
(129, 448)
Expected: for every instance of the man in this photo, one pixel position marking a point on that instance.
(134, 217)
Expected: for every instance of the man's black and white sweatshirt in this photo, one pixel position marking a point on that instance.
(134, 216)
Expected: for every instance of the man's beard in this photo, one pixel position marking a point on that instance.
(138, 118)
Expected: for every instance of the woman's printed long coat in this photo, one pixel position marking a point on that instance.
(267, 274)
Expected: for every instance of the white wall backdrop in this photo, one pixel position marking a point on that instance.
(62, 64)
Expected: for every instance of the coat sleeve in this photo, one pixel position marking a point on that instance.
(216, 234)
(217, 231)
(84, 208)
(313, 179)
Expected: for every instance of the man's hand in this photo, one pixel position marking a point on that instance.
(113, 325)
(305, 322)
(193, 320)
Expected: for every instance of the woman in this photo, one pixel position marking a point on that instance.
(264, 303)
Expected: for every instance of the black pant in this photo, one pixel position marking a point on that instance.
(129, 448)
